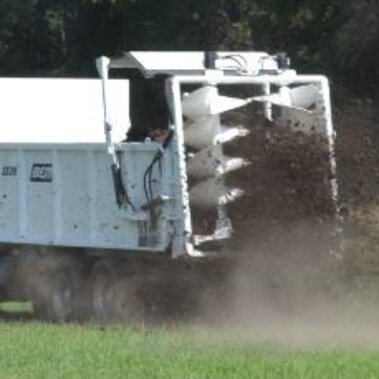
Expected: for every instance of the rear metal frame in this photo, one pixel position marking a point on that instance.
(183, 241)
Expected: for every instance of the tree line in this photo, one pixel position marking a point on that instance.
(55, 37)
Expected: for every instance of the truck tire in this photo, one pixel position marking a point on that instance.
(114, 292)
(61, 301)
(104, 279)
(65, 294)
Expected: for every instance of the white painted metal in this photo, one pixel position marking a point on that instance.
(202, 133)
(206, 102)
(192, 62)
(60, 110)
(182, 238)
(56, 185)
(211, 161)
(301, 97)
(212, 193)
(324, 110)
(209, 131)
(304, 96)
(230, 133)
(102, 65)
(267, 105)
(62, 194)
(205, 163)
(302, 100)
(204, 107)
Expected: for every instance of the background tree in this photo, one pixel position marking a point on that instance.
(51, 37)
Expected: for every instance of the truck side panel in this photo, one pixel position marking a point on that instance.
(63, 195)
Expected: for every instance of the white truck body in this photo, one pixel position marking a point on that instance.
(49, 110)
(62, 195)
(55, 183)
(59, 138)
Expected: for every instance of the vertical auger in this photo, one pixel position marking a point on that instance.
(298, 107)
(206, 166)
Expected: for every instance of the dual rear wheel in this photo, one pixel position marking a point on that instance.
(68, 293)
(67, 288)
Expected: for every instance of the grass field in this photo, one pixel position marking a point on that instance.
(32, 349)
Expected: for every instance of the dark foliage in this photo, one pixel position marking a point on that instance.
(51, 37)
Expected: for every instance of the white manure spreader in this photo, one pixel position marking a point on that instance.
(96, 187)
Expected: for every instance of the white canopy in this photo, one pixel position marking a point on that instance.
(192, 62)
(60, 110)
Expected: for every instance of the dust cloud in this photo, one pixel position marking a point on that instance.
(292, 280)
(284, 278)
(294, 301)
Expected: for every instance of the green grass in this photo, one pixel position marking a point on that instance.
(16, 306)
(30, 349)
